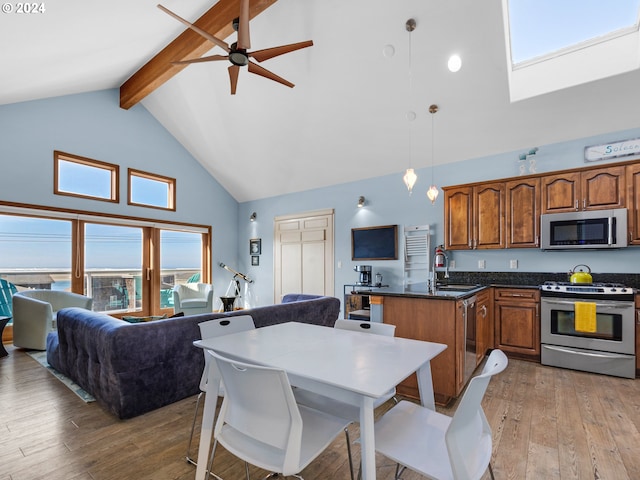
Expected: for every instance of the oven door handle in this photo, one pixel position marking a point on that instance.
(583, 352)
(598, 303)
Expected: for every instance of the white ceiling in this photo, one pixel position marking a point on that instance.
(346, 119)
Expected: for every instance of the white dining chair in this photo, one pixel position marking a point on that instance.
(210, 329)
(336, 407)
(261, 423)
(436, 445)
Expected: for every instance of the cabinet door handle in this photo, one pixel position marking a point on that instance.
(577, 205)
(483, 311)
(584, 203)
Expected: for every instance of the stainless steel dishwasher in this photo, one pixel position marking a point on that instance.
(469, 318)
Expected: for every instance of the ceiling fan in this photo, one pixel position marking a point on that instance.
(237, 52)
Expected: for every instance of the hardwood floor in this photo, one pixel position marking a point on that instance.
(547, 423)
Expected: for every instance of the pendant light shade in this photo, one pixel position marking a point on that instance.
(410, 178)
(432, 193)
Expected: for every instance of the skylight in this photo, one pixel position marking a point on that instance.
(555, 44)
(542, 27)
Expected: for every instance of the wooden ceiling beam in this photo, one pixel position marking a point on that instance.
(216, 21)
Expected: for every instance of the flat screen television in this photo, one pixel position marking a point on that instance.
(374, 243)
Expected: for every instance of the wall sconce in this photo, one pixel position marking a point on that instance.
(253, 217)
(361, 202)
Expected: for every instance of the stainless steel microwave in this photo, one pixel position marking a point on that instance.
(590, 229)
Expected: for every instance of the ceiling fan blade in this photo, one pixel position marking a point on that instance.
(263, 72)
(234, 70)
(244, 41)
(208, 36)
(211, 58)
(267, 53)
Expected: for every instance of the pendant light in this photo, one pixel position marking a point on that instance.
(433, 191)
(410, 176)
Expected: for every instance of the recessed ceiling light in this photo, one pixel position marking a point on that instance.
(454, 63)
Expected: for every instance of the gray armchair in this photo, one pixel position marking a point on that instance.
(193, 298)
(34, 314)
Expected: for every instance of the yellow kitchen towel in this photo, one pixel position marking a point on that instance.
(585, 317)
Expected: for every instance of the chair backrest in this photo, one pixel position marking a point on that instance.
(376, 328)
(193, 290)
(7, 289)
(217, 328)
(468, 437)
(259, 403)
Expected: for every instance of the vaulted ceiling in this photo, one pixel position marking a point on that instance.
(346, 118)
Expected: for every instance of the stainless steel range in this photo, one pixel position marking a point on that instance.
(575, 337)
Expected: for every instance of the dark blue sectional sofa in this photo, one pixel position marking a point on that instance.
(133, 368)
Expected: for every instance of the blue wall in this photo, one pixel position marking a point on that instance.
(93, 125)
(389, 203)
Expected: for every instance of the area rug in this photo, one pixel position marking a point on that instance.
(41, 358)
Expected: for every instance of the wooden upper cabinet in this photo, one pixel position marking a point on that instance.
(633, 204)
(523, 213)
(596, 189)
(458, 215)
(506, 213)
(603, 188)
(489, 216)
(474, 217)
(560, 193)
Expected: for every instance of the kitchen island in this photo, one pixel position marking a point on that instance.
(459, 318)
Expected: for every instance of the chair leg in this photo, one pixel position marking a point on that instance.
(491, 472)
(399, 470)
(346, 434)
(193, 427)
(213, 454)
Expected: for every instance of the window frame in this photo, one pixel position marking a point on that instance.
(151, 244)
(113, 168)
(168, 181)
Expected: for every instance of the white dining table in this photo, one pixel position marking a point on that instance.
(353, 367)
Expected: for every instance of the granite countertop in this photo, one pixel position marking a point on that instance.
(495, 279)
(421, 291)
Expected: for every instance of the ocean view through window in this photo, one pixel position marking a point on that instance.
(109, 262)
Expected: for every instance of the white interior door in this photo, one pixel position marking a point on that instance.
(304, 254)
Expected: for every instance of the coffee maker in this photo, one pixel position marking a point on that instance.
(365, 274)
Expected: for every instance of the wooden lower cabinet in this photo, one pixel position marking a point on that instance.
(431, 320)
(435, 321)
(517, 321)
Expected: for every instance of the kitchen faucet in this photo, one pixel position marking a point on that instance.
(434, 280)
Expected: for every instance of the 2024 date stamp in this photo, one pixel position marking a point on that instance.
(23, 8)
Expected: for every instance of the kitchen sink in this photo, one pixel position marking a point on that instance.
(448, 293)
(456, 288)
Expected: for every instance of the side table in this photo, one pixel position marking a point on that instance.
(3, 323)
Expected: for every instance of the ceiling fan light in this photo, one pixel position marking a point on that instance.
(410, 178)
(238, 57)
(432, 193)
